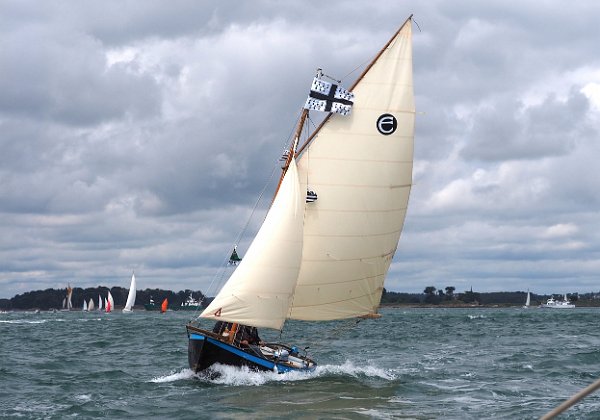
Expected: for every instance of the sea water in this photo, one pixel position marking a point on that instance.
(475, 363)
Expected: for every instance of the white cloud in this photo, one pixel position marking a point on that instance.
(560, 230)
(140, 137)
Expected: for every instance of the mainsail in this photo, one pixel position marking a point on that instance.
(164, 305)
(361, 168)
(131, 296)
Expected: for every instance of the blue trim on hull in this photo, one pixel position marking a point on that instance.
(246, 356)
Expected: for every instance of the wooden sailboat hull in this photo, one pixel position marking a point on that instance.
(206, 349)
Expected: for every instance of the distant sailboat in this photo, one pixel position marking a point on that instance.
(67, 305)
(131, 296)
(528, 300)
(110, 303)
(164, 305)
(91, 305)
(99, 302)
(85, 306)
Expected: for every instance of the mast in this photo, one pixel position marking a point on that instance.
(292, 151)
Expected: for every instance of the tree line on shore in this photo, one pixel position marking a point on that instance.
(53, 298)
(448, 296)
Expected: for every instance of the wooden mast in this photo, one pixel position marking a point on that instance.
(292, 152)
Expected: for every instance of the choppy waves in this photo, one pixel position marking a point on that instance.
(423, 363)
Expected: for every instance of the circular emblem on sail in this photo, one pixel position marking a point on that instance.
(387, 124)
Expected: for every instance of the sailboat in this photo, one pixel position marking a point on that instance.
(327, 242)
(91, 305)
(131, 296)
(85, 306)
(110, 303)
(99, 302)
(67, 304)
(527, 300)
(164, 305)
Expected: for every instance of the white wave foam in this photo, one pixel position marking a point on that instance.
(83, 397)
(476, 316)
(348, 368)
(174, 376)
(88, 319)
(22, 321)
(238, 376)
(243, 376)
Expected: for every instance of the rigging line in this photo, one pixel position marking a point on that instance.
(356, 68)
(417, 25)
(350, 323)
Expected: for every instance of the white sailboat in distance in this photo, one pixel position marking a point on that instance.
(130, 296)
(527, 300)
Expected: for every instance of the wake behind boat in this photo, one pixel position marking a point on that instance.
(329, 237)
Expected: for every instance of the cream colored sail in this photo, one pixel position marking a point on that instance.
(362, 174)
(260, 291)
(131, 296)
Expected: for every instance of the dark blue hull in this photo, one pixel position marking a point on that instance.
(206, 349)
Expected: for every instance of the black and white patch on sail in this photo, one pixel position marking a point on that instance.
(387, 124)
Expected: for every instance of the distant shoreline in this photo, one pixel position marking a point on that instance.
(578, 304)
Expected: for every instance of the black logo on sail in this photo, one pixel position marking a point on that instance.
(387, 124)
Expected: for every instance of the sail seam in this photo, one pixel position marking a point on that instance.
(320, 235)
(321, 210)
(344, 282)
(362, 185)
(334, 302)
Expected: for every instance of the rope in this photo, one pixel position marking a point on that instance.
(572, 401)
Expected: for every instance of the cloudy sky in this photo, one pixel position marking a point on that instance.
(138, 135)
